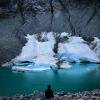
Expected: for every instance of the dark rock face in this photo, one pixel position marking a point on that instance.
(4, 2)
(73, 16)
(79, 17)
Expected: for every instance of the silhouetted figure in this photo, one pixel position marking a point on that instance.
(49, 93)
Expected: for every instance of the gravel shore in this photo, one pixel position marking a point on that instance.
(86, 95)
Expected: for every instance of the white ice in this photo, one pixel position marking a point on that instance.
(74, 50)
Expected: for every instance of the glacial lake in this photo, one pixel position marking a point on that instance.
(80, 77)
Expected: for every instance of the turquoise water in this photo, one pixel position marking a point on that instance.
(78, 78)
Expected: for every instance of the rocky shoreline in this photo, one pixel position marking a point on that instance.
(86, 95)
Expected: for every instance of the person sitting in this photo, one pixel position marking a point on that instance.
(49, 93)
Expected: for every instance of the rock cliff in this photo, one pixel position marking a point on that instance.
(21, 17)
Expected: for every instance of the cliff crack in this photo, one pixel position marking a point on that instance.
(20, 9)
(52, 12)
(68, 18)
(93, 13)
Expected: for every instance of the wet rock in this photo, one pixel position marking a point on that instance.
(86, 97)
(56, 97)
(1, 98)
(98, 98)
(21, 97)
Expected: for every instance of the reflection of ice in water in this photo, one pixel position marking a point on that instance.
(93, 67)
(80, 69)
(88, 69)
(94, 70)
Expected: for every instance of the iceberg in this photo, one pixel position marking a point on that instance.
(41, 56)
